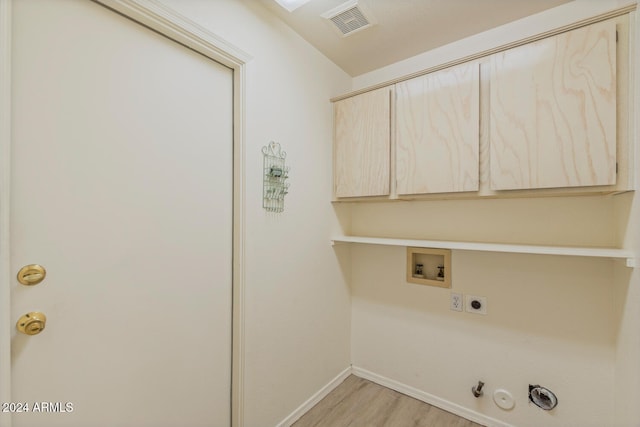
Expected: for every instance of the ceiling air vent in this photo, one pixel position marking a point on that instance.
(349, 18)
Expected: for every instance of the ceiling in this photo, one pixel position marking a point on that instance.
(404, 28)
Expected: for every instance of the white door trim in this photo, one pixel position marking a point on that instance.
(163, 20)
(5, 194)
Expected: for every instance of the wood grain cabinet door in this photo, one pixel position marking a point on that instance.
(437, 132)
(362, 144)
(553, 111)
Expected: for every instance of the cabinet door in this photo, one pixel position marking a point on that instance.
(437, 132)
(362, 144)
(553, 111)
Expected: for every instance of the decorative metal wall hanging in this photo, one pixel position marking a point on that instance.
(274, 176)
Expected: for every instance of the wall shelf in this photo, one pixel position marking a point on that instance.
(624, 254)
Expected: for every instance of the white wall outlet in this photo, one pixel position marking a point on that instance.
(456, 301)
(475, 304)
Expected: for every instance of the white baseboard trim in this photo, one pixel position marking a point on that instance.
(313, 400)
(436, 401)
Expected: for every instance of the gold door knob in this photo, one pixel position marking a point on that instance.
(31, 274)
(31, 323)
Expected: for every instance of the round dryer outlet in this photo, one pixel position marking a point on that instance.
(504, 399)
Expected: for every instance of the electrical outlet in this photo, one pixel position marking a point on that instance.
(476, 305)
(456, 301)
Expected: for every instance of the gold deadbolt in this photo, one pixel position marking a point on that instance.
(32, 323)
(31, 274)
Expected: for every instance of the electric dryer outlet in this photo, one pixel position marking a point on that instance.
(475, 304)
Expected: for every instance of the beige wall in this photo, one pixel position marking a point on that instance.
(627, 287)
(550, 321)
(568, 323)
(297, 300)
(587, 221)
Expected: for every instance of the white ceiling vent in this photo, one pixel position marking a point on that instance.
(350, 17)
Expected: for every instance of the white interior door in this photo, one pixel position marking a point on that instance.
(122, 190)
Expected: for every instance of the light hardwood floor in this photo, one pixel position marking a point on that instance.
(360, 403)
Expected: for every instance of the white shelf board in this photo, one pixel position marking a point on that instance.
(627, 255)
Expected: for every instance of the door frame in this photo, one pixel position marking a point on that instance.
(174, 26)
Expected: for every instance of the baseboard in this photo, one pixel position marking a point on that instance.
(313, 400)
(429, 398)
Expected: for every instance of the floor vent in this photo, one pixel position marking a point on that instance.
(349, 18)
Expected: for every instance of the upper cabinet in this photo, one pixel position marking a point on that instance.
(362, 144)
(549, 117)
(437, 132)
(553, 111)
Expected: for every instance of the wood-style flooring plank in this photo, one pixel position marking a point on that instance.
(361, 403)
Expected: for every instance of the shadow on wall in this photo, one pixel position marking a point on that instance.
(562, 221)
